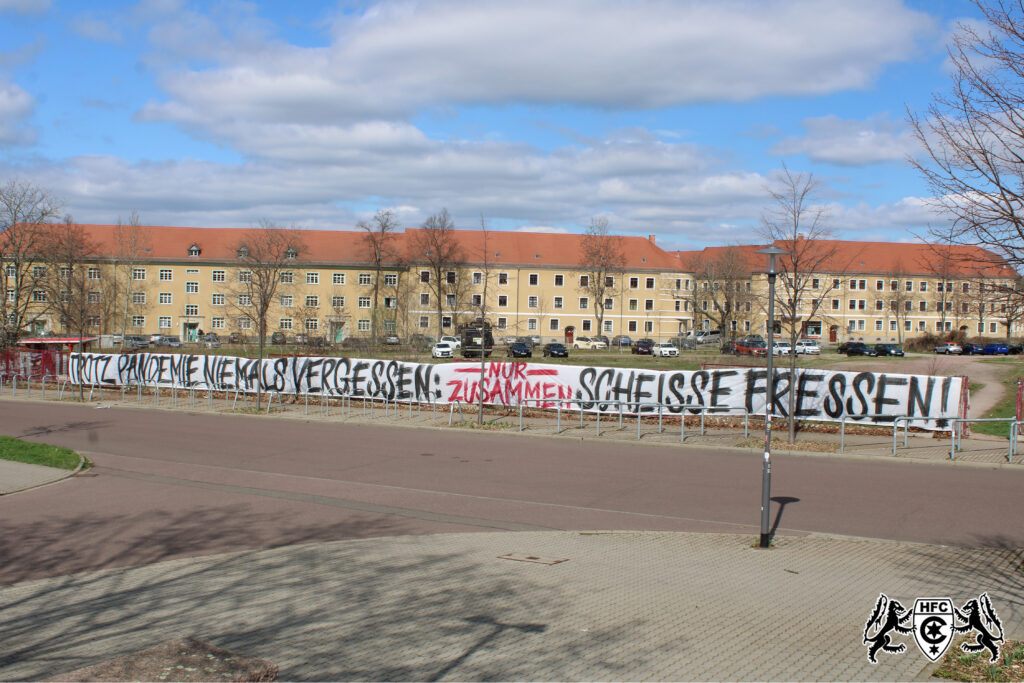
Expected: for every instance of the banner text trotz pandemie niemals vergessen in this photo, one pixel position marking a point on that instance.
(819, 394)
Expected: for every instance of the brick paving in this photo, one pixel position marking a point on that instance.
(625, 606)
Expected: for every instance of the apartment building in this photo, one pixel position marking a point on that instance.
(186, 281)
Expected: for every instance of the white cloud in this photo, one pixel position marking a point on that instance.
(399, 57)
(24, 6)
(16, 106)
(848, 142)
(94, 28)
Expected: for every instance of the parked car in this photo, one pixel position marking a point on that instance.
(1016, 349)
(211, 340)
(236, 338)
(751, 347)
(949, 348)
(171, 341)
(621, 340)
(519, 350)
(526, 340)
(664, 350)
(392, 340)
(278, 338)
(996, 349)
(971, 349)
(455, 342)
(317, 343)
(555, 350)
(355, 343)
(443, 350)
(781, 348)
(859, 349)
(807, 347)
(604, 340)
(727, 347)
(888, 350)
(508, 341)
(588, 343)
(708, 336)
(135, 341)
(421, 342)
(643, 347)
(682, 343)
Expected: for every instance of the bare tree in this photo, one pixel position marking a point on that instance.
(131, 245)
(480, 307)
(602, 262)
(900, 303)
(973, 135)
(437, 246)
(65, 254)
(721, 278)
(262, 254)
(799, 226)
(25, 211)
(378, 237)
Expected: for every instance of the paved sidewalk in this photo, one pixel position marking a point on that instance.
(623, 606)
(19, 476)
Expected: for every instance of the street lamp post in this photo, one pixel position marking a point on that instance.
(766, 471)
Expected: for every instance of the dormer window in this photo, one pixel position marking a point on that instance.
(243, 252)
(193, 250)
(290, 253)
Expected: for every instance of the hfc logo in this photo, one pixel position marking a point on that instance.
(933, 621)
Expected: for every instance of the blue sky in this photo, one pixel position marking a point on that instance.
(668, 118)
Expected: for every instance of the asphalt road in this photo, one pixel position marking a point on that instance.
(171, 485)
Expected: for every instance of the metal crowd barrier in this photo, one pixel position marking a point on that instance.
(956, 433)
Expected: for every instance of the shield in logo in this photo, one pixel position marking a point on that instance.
(933, 625)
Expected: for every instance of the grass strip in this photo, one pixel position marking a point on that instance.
(37, 453)
(958, 665)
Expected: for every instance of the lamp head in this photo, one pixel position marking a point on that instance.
(771, 252)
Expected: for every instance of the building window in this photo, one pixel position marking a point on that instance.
(478, 278)
(835, 304)
(634, 304)
(584, 281)
(648, 326)
(93, 297)
(285, 323)
(586, 325)
(860, 324)
(138, 321)
(94, 273)
(446, 321)
(219, 276)
(217, 323)
(424, 299)
(608, 326)
(312, 324)
(609, 282)
(502, 323)
(138, 298)
(364, 302)
(634, 283)
(815, 283)
(892, 325)
(192, 271)
(559, 280)
(337, 302)
(558, 302)
(245, 276)
(338, 278)
(531, 302)
(650, 283)
(879, 305)
(631, 326)
(37, 271)
(534, 278)
(878, 326)
(287, 277)
(191, 287)
(648, 304)
(608, 303)
(922, 306)
(449, 300)
(166, 275)
(879, 285)
(312, 301)
(424, 322)
(245, 323)
(364, 279)
(312, 278)
(502, 278)
(450, 277)
(193, 250)
(39, 296)
(165, 297)
(391, 279)
(191, 310)
(287, 301)
(584, 303)
(992, 327)
(244, 300)
(476, 300)
(502, 301)
(853, 285)
(164, 322)
(554, 324)
(424, 276)
(531, 324)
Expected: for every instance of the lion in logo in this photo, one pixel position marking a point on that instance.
(887, 616)
(980, 617)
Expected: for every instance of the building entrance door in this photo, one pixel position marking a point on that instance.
(570, 334)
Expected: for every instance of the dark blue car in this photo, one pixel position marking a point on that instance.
(971, 349)
(996, 349)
